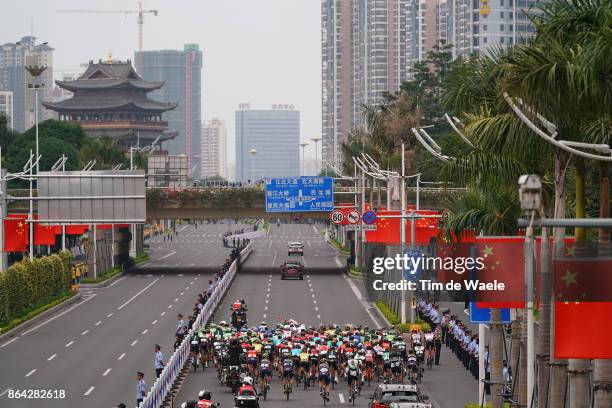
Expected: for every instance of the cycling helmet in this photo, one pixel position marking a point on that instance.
(204, 394)
(248, 380)
(189, 404)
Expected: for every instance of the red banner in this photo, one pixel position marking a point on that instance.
(16, 233)
(387, 229)
(45, 234)
(76, 229)
(582, 330)
(504, 262)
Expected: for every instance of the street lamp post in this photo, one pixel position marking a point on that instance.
(316, 141)
(253, 152)
(303, 168)
(35, 71)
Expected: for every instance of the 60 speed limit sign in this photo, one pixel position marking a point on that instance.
(336, 217)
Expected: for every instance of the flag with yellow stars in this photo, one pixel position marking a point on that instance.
(503, 262)
(16, 233)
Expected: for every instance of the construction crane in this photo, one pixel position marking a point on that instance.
(140, 13)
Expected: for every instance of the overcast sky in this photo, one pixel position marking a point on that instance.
(259, 51)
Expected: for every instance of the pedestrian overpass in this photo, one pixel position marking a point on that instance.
(229, 202)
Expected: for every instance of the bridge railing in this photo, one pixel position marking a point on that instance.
(163, 384)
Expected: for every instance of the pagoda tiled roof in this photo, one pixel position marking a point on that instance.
(106, 75)
(110, 102)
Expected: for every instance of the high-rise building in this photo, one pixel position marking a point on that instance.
(364, 55)
(267, 142)
(14, 57)
(6, 107)
(214, 149)
(370, 46)
(181, 72)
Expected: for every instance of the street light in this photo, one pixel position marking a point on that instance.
(253, 152)
(35, 71)
(303, 146)
(316, 142)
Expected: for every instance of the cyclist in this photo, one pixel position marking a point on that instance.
(194, 351)
(324, 378)
(353, 374)
(304, 363)
(287, 367)
(265, 373)
(413, 367)
(369, 363)
(395, 363)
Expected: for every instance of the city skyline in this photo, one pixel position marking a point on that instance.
(275, 47)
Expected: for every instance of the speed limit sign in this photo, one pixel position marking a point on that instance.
(337, 217)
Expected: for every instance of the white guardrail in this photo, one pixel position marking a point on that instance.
(162, 385)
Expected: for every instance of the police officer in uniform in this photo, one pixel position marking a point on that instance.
(141, 388)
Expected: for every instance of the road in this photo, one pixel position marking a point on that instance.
(325, 296)
(93, 349)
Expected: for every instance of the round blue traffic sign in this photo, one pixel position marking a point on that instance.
(369, 217)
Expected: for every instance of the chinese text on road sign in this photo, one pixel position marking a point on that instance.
(297, 194)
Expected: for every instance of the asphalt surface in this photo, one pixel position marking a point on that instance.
(324, 296)
(93, 349)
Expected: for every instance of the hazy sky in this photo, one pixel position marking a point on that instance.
(259, 51)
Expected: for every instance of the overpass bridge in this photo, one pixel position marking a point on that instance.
(246, 202)
(227, 202)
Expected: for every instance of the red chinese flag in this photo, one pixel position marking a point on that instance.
(76, 229)
(503, 259)
(15, 233)
(44, 234)
(104, 226)
(387, 229)
(448, 253)
(582, 330)
(582, 279)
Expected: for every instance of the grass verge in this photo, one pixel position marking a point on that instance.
(339, 246)
(141, 257)
(106, 275)
(396, 321)
(31, 313)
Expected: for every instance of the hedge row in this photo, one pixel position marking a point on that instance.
(28, 284)
(395, 320)
(223, 198)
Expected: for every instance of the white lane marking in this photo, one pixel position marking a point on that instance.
(314, 301)
(154, 322)
(52, 357)
(267, 295)
(186, 287)
(182, 293)
(319, 317)
(169, 306)
(9, 342)
(274, 259)
(89, 390)
(5, 391)
(311, 289)
(70, 343)
(363, 303)
(134, 343)
(267, 300)
(56, 316)
(145, 331)
(341, 398)
(137, 294)
(99, 322)
(167, 255)
(30, 373)
(338, 262)
(265, 307)
(105, 373)
(175, 300)
(316, 308)
(85, 332)
(121, 356)
(162, 313)
(117, 281)
(313, 295)
(109, 315)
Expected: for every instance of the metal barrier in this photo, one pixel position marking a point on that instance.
(158, 392)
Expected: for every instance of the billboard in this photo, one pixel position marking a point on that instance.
(106, 196)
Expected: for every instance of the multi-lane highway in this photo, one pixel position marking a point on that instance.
(324, 296)
(93, 349)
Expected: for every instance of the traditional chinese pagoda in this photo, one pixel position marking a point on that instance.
(110, 98)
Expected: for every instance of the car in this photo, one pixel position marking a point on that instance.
(293, 268)
(398, 396)
(295, 248)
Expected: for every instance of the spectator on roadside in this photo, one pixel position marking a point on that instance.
(181, 328)
(141, 388)
(158, 363)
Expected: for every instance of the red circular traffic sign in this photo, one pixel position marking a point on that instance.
(353, 216)
(336, 217)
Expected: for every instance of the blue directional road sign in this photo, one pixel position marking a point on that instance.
(369, 217)
(413, 268)
(299, 194)
(483, 314)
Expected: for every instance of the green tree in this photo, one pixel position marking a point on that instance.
(7, 135)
